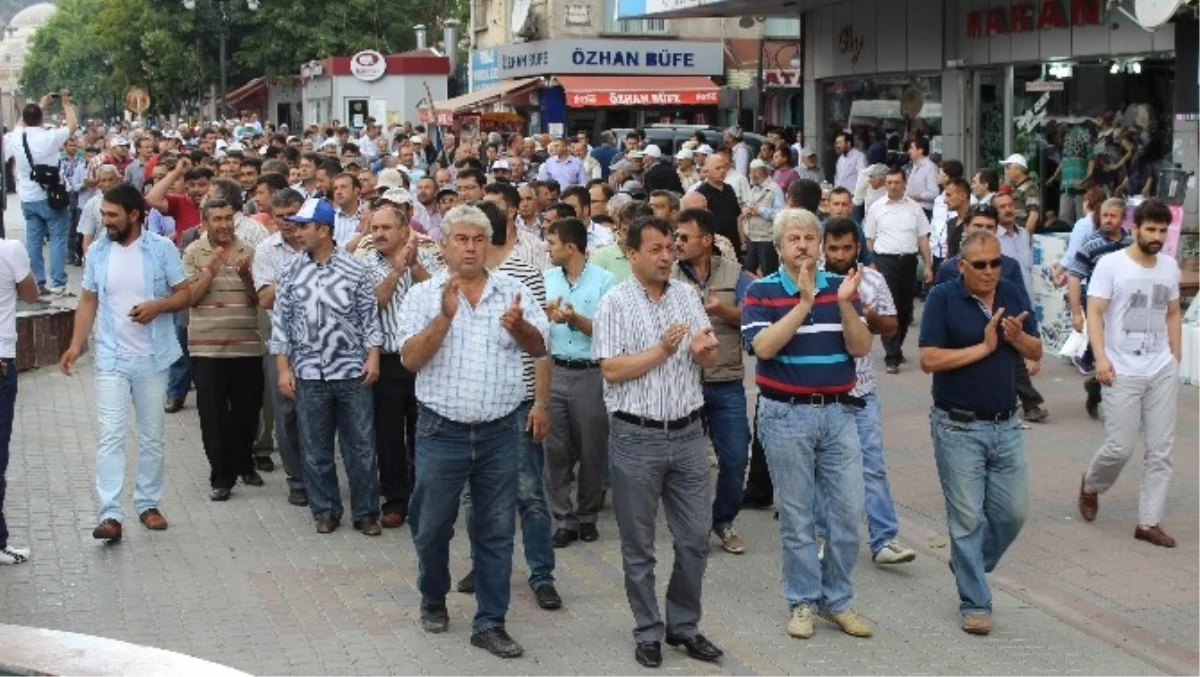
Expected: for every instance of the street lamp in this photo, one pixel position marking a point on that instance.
(223, 10)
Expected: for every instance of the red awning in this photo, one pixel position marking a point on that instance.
(246, 91)
(598, 91)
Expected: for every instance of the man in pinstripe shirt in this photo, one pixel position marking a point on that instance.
(656, 441)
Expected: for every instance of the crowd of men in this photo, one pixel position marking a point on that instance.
(480, 326)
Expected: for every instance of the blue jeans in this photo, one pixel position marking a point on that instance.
(812, 449)
(729, 428)
(985, 478)
(449, 456)
(346, 408)
(531, 504)
(180, 378)
(42, 223)
(133, 379)
(8, 403)
(882, 523)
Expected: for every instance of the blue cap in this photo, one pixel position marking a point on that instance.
(314, 210)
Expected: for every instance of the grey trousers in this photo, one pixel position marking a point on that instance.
(287, 430)
(578, 435)
(650, 465)
(1133, 404)
(263, 441)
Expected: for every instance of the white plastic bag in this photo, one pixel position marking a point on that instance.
(1075, 345)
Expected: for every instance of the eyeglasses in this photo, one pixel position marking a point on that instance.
(993, 264)
(681, 237)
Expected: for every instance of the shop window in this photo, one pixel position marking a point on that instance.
(631, 26)
(1104, 123)
(882, 113)
(781, 28)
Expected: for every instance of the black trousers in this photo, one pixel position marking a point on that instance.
(900, 272)
(228, 397)
(395, 431)
(759, 489)
(1029, 396)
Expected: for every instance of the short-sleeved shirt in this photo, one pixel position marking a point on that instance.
(629, 322)
(1026, 199)
(612, 258)
(185, 212)
(1094, 248)
(954, 319)
(876, 297)
(896, 226)
(584, 295)
(815, 359)
(519, 269)
(14, 268)
(225, 322)
(1135, 322)
(45, 146)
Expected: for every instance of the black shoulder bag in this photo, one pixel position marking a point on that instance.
(47, 177)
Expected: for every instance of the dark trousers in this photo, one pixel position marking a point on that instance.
(759, 489)
(8, 402)
(1029, 396)
(395, 431)
(762, 258)
(228, 399)
(900, 272)
(180, 376)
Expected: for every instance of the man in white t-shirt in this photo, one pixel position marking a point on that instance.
(41, 222)
(15, 282)
(1134, 324)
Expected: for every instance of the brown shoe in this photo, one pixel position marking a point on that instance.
(1154, 535)
(1089, 501)
(153, 520)
(108, 530)
(976, 624)
(173, 406)
(369, 526)
(392, 520)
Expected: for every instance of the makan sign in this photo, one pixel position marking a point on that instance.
(1026, 17)
(643, 98)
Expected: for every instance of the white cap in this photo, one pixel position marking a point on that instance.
(501, 164)
(119, 141)
(808, 151)
(398, 196)
(757, 164)
(653, 151)
(1016, 159)
(390, 178)
(684, 154)
(235, 146)
(328, 142)
(634, 154)
(703, 149)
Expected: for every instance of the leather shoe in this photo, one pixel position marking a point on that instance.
(435, 619)
(1089, 501)
(1094, 397)
(564, 537)
(108, 530)
(698, 647)
(497, 641)
(298, 496)
(547, 597)
(252, 479)
(369, 526)
(173, 405)
(219, 494)
(264, 464)
(392, 519)
(1154, 535)
(466, 585)
(588, 532)
(327, 524)
(153, 520)
(648, 654)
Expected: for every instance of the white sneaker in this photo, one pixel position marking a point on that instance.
(11, 555)
(820, 549)
(801, 623)
(894, 553)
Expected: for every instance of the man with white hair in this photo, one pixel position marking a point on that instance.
(869, 188)
(107, 177)
(686, 169)
(766, 198)
(660, 175)
(463, 333)
(738, 149)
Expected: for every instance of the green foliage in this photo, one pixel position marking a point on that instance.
(100, 48)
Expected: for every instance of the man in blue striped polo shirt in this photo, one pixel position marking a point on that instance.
(805, 326)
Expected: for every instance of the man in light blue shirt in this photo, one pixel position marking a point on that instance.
(133, 283)
(578, 421)
(563, 167)
(922, 175)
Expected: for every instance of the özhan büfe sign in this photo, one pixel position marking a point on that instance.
(643, 98)
(1025, 17)
(609, 57)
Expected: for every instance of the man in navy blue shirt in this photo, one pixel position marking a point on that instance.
(974, 333)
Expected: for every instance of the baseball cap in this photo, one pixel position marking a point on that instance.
(314, 210)
(235, 147)
(390, 178)
(633, 189)
(328, 142)
(119, 141)
(758, 164)
(397, 196)
(501, 164)
(703, 149)
(808, 151)
(876, 170)
(684, 154)
(653, 151)
(1016, 159)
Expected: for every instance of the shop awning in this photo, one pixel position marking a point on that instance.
(246, 91)
(691, 9)
(484, 96)
(598, 91)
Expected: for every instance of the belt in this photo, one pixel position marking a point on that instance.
(895, 256)
(660, 425)
(575, 364)
(964, 416)
(816, 399)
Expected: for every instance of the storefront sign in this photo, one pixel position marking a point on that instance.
(608, 57)
(782, 78)
(368, 65)
(1026, 16)
(1045, 86)
(647, 98)
(850, 44)
(442, 118)
(484, 72)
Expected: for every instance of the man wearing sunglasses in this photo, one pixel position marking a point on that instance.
(975, 332)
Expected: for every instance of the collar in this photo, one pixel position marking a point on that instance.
(337, 252)
(790, 287)
(642, 288)
(689, 270)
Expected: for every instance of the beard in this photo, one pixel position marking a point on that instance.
(838, 268)
(1150, 248)
(120, 235)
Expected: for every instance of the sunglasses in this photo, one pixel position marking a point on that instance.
(981, 265)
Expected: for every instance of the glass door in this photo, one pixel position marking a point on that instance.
(989, 118)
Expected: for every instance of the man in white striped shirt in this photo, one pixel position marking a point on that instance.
(656, 443)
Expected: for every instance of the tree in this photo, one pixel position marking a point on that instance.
(60, 55)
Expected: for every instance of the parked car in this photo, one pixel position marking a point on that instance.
(669, 138)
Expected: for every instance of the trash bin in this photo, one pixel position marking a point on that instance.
(1172, 185)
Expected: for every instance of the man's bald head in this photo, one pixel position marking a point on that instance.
(693, 200)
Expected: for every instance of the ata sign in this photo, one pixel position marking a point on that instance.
(782, 78)
(368, 65)
(1025, 17)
